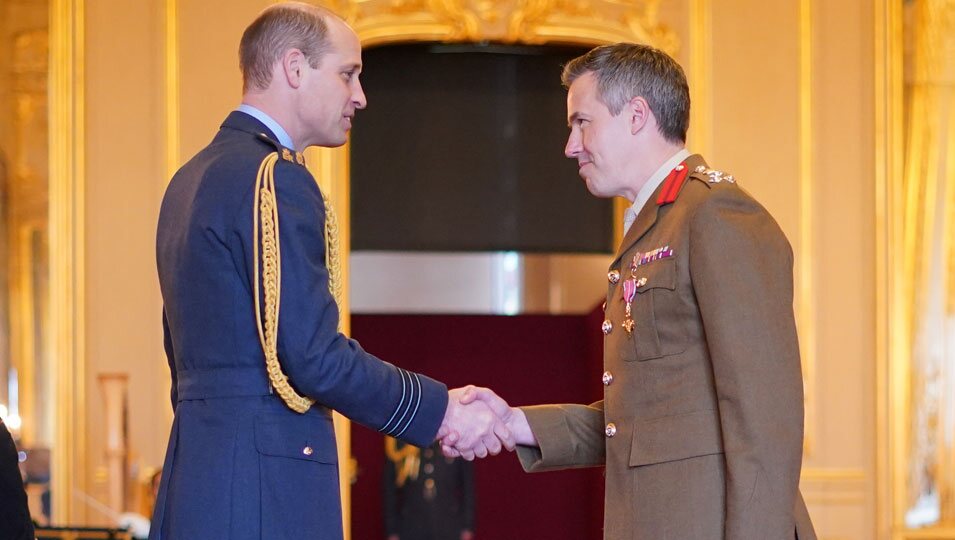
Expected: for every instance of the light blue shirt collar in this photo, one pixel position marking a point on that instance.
(270, 123)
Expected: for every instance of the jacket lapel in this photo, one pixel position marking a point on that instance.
(644, 222)
(649, 213)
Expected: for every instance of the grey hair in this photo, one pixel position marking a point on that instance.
(628, 70)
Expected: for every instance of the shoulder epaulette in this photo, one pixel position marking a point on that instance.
(712, 176)
(286, 154)
(672, 185)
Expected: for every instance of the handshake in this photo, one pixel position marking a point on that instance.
(479, 423)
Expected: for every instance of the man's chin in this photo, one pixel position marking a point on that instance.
(333, 141)
(594, 189)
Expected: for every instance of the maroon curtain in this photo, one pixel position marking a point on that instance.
(527, 359)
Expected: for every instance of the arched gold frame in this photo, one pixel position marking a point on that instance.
(66, 254)
(536, 22)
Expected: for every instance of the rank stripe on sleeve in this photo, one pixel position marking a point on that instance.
(407, 408)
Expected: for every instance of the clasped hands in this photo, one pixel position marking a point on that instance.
(479, 423)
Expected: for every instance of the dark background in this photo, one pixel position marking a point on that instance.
(527, 359)
(461, 149)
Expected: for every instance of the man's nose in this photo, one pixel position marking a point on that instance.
(358, 97)
(572, 148)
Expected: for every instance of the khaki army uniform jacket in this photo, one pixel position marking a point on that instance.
(701, 425)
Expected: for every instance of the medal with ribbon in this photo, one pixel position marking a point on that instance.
(629, 292)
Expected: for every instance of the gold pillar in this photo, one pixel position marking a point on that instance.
(66, 222)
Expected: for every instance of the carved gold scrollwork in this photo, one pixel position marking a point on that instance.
(585, 22)
(30, 51)
(465, 23)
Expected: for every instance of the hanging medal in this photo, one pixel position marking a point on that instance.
(629, 291)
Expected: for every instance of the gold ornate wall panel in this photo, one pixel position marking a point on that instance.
(587, 22)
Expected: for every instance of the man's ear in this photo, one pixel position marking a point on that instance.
(639, 111)
(291, 67)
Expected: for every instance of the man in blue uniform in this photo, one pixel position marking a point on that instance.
(247, 260)
(15, 522)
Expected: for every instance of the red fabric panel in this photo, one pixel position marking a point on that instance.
(527, 359)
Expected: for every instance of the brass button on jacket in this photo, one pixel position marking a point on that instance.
(611, 430)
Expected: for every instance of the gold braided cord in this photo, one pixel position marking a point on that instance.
(264, 209)
(332, 256)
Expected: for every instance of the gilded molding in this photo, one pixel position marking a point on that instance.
(535, 22)
(171, 28)
(330, 168)
(806, 284)
(824, 475)
(935, 533)
(67, 304)
(891, 385)
(700, 74)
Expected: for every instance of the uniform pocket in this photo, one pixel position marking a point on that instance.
(298, 476)
(308, 437)
(657, 282)
(676, 437)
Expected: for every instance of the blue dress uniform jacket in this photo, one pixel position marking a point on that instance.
(15, 523)
(240, 464)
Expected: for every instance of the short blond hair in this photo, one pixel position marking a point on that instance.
(289, 25)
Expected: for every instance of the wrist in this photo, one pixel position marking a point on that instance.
(520, 429)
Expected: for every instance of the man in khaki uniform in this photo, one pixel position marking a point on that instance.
(701, 426)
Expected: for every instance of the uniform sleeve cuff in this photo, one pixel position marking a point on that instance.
(426, 406)
(555, 446)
